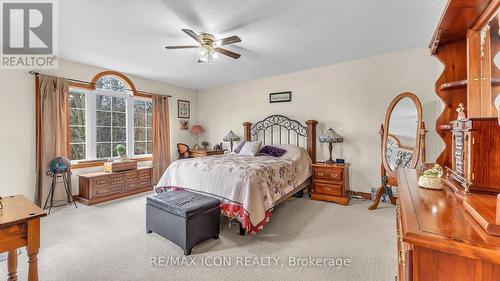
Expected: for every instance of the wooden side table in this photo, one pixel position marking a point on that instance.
(20, 227)
(331, 183)
(203, 153)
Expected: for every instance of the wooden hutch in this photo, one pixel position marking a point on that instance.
(454, 234)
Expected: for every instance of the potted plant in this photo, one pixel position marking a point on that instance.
(121, 150)
(204, 144)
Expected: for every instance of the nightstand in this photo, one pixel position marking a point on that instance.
(331, 183)
(203, 153)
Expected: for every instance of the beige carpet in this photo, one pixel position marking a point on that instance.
(108, 242)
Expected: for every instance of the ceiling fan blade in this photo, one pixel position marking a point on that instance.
(228, 40)
(193, 35)
(227, 53)
(181, 47)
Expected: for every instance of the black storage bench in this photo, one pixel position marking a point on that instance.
(183, 217)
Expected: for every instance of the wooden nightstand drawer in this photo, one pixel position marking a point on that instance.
(331, 182)
(328, 174)
(329, 189)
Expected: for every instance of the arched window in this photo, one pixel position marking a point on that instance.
(111, 83)
(107, 118)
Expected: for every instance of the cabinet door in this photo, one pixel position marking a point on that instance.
(483, 70)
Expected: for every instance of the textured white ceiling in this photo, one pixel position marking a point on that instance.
(278, 36)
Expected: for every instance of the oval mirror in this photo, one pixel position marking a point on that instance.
(401, 138)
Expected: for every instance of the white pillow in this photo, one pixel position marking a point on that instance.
(250, 148)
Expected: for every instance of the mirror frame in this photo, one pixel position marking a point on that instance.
(416, 150)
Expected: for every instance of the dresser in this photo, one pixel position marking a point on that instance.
(104, 186)
(437, 239)
(331, 183)
(203, 153)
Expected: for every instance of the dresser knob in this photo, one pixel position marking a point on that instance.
(321, 174)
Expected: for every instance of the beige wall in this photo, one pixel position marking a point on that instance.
(17, 122)
(351, 97)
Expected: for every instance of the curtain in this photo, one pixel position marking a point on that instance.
(52, 130)
(161, 136)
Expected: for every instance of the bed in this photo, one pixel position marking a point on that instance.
(249, 187)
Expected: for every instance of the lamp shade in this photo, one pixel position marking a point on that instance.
(197, 129)
(331, 136)
(231, 137)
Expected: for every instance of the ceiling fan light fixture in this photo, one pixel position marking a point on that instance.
(210, 48)
(202, 52)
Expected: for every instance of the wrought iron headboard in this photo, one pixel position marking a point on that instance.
(279, 129)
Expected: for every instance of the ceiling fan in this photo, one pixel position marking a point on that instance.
(209, 48)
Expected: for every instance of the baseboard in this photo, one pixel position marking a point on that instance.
(365, 195)
(76, 197)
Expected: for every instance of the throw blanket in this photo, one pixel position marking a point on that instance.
(248, 187)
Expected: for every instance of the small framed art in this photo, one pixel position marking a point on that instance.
(280, 97)
(184, 124)
(183, 109)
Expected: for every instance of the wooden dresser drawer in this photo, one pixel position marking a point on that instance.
(131, 176)
(117, 179)
(328, 189)
(105, 186)
(328, 174)
(146, 173)
(107, 190)
(101, 181)
(139, 184)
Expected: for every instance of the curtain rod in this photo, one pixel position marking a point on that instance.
(93, 84)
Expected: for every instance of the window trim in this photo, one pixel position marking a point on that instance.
(91, 92)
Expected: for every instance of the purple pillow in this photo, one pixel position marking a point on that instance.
(272, 151)
(238, 148)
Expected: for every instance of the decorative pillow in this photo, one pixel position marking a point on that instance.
(272, 151)
(250, 148)
(238, 148)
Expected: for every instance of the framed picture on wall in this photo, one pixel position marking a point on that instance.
(183, 109)
(280, 97)
(184, 124)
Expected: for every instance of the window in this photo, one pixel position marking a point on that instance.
(111, 124)
(77, 127)
(143, 125)
(103, 118)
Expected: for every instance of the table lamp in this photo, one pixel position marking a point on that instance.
(230, 137)
(197, 129)
(330, 137)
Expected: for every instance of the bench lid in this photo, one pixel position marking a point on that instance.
(183, 203)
